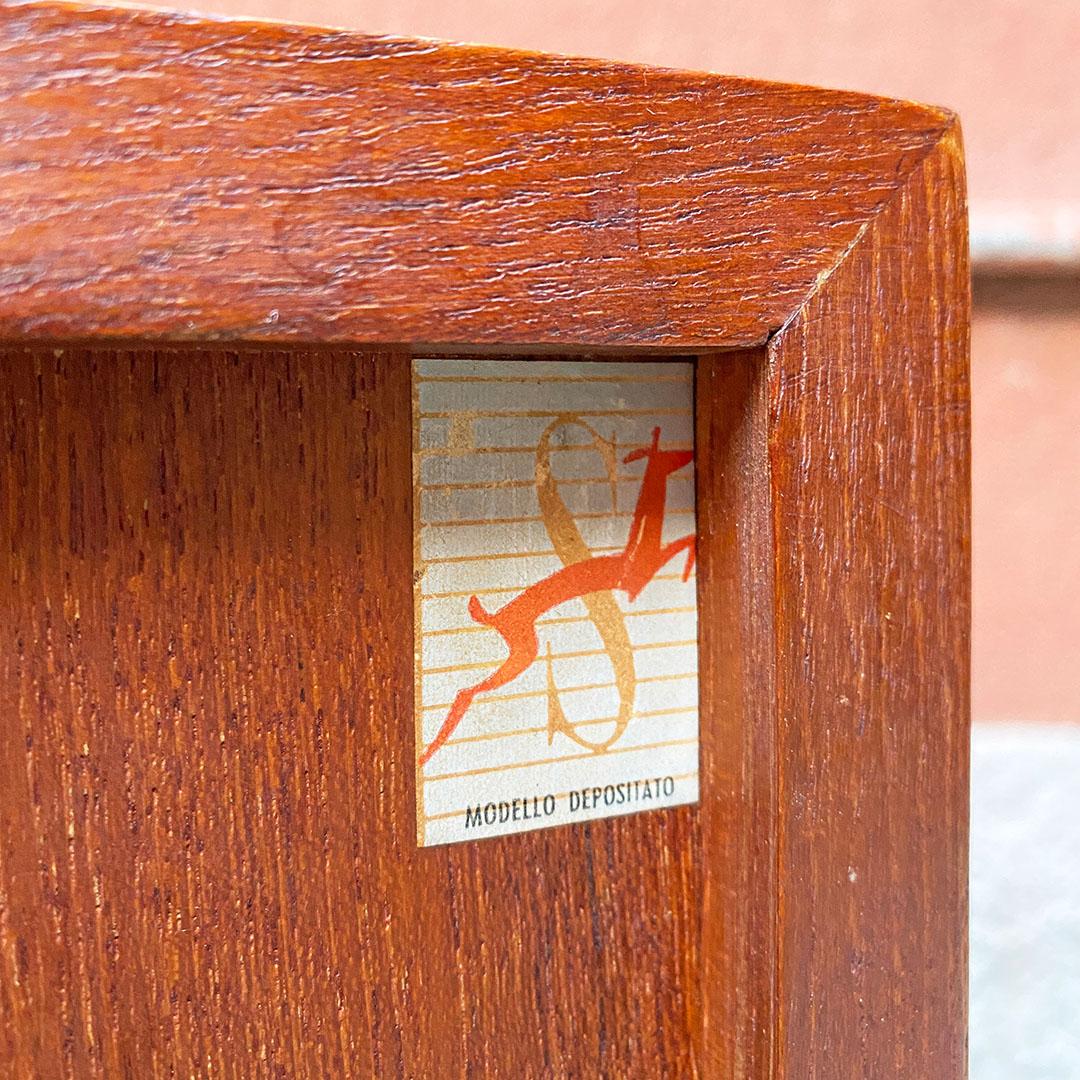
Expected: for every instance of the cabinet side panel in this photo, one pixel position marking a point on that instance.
(208, 860)
(870, 461)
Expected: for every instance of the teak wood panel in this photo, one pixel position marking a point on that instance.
(179, 179)
(272, 182)
(207, 818)
(869, 448)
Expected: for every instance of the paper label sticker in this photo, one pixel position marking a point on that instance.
(555, 594)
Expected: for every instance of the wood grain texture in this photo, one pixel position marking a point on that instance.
(207, 842)
(869, 451)
(165, 176)
(207, 859)
(738, 738)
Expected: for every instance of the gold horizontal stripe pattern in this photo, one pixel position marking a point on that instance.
(685, 609)
(506, 767)
(489, 485)
(517, 588)
(449, 414)
(487, 698)
(488, 556)
(552, 378)
(560, 656)
(593, 515)
(583, 448)
(683, 710)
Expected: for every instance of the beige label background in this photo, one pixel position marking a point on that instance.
(622, 723)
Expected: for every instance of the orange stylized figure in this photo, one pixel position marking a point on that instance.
(629, 570)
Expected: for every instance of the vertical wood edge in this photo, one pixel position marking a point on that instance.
(870, 399)
(738, 717)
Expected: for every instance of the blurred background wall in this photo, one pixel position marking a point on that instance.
(1009, 68)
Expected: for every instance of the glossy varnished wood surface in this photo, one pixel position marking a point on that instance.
(206, 847)
(738, 738)
(273, 182)
(869, 452)
(207, 842)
